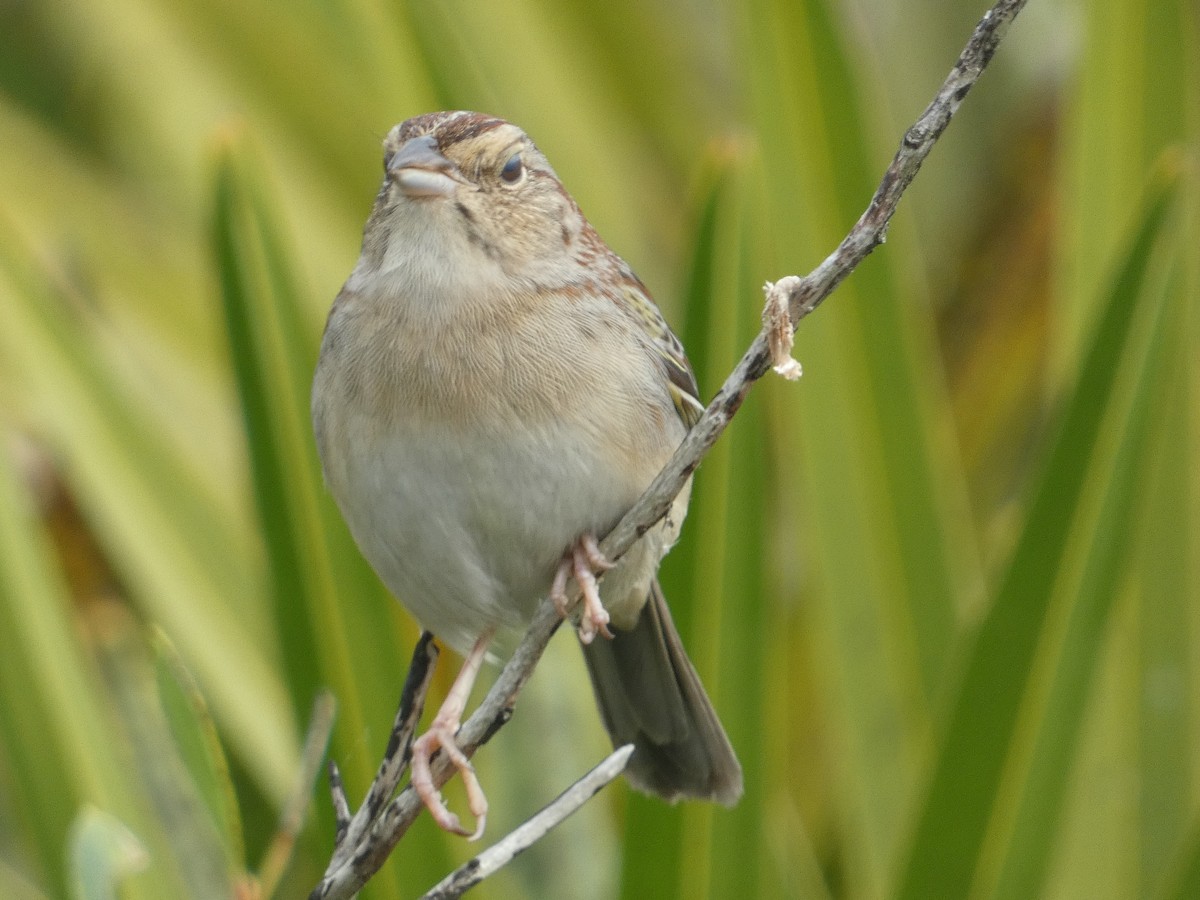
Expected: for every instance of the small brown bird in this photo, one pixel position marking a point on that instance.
(495, 389)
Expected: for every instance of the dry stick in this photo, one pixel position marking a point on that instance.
(350, 830)
(800, 296)
(279, 852)
(797, 297)
(362, 859)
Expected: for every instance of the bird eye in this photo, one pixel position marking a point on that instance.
(513, 170)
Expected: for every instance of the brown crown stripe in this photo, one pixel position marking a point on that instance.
(450, 128)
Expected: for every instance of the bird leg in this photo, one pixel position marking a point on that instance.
(583, 560)
(441, 735)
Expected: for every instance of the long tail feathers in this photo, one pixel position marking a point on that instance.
(650, 696)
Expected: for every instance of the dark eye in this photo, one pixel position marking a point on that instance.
(513, 170)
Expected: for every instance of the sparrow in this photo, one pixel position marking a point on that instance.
(495, 389)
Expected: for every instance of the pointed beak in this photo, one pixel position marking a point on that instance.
(419, 170)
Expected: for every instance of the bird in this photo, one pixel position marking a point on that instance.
(495, 388)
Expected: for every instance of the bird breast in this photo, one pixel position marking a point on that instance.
(475, 447)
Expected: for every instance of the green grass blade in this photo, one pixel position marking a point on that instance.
(157, 522)
(1132, 97)
(1182, 880)
(1121, 468)
(15, 885)
(103, 852)
(738, 623)
(272, 415)
(654, 856)
(714, 578)
(50, 712)
(183, 835)
(1167, 583)
(889, 548)
(199, 751)
(58, 742)
(962, 794)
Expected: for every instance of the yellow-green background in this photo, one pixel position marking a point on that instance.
(944, 590)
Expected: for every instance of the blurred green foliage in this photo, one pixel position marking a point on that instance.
(944, 590)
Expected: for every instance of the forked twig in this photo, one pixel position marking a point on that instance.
(351, 829)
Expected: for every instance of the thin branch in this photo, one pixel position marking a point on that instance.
(806, 294)
(351, 829)
(794, 295)
(533, 830)
(291, 820)
(358, 860)
(341, 805)
(399, 748)
(800, 296)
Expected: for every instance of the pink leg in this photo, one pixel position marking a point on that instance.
(441, 734)
(583, 560)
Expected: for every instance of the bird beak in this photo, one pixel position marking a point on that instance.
(421, 171)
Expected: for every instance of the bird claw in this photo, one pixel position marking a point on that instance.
(584, 560)
(441, 736)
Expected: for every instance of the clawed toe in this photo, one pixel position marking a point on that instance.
(584, 560)
(441, 736)
(424, 747)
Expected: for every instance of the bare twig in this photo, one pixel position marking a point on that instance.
(399, 748)
(533, 830)
(361, 859)
(316, 740)
(351, 829)
(799, 297)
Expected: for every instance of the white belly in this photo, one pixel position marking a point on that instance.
(468, 531)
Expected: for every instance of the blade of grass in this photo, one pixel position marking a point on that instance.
(734, 610)
(654, 855)
(50, 713)
(58, 745)
(161, 530)
(1120, 468)
(199, 750)
(103, 852)
(1127, 103)
(1182, 878)
(891, 548)
(1166, 587)
(15, 884)
(182, 835)
(962, 793)
(1133, 94)
(725, 613)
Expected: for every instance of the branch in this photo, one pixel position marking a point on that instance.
(351, 831)
(291, 820)
(356, 861)
(797, 297)
(787, 302)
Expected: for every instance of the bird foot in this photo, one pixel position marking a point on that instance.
(583, 560)
(441, 736)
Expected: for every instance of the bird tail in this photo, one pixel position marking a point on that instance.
(650, 696)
